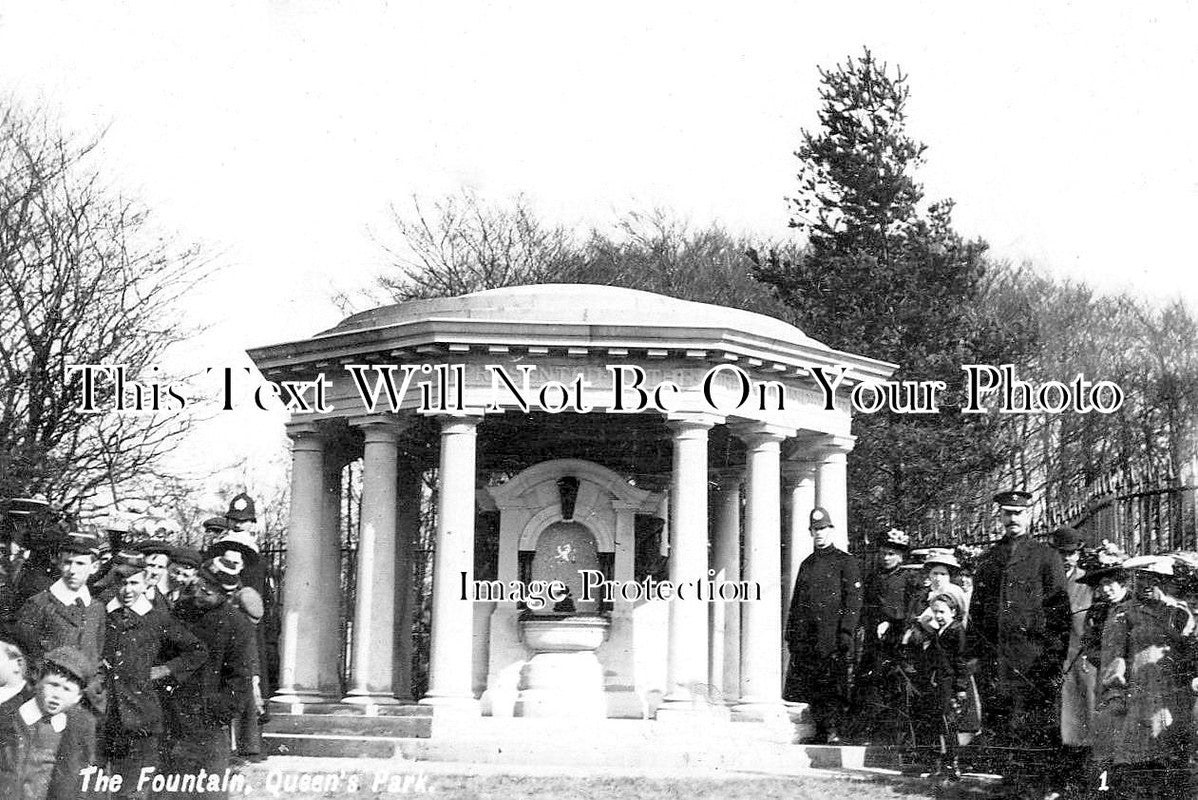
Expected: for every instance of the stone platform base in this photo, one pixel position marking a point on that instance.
(708, 739)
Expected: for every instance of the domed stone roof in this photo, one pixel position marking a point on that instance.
(575, 304)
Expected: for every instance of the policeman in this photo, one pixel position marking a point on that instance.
(1019, 632)
(821, 629)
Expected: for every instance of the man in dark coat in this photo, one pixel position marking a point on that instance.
(890, 591)
(66, 614)
(1019, 629)
(200, 710)
(821, 629)
(143, 645)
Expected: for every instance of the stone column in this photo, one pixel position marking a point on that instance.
(451, 673)
(761, 620)
(798, 480)
(309, 657)
(374, 602)
(687, 663)
(409, 488)
(725, 616)
(831, 484)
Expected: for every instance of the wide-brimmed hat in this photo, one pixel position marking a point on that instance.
(222, 573)
(942, 558)
(1096, 576)
(1152, 565)
(237, 540)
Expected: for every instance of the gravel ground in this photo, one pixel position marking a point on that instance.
(311, 778)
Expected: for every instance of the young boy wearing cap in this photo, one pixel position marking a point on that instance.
(157, 553)
(181, 575)
(143, 646)
(47, 740)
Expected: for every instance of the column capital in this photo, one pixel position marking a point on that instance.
(301, 429)
(462, 422)
(834, 445)
(755, 433)
(816, 447)
(380, 427)
(679, 421)
(796, 469)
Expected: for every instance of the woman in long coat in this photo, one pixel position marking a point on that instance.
(1146, 661)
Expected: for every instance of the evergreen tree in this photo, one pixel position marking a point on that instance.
(885, 274)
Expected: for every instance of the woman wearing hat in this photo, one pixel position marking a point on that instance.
(939, 569)
(1146, 651)
(888, 595)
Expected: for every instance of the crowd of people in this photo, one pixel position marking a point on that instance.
(143, 658)
(1075, 662)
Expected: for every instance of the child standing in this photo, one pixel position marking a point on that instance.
(943, 683)
(47, 740)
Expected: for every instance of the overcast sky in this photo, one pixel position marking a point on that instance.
(278, 133)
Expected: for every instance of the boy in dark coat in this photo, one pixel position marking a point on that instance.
(200, 710)
(47, 740)
(143, 645)
(66, 614)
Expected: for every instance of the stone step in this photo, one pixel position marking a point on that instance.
(351, 709)
(350, 725)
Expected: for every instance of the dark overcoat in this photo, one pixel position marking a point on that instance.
(133, 644)
(825, 606)
(45, 622)
(1019, 616)
(217, 691)
(76, 750)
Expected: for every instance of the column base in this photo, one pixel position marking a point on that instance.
(688, 713)
(293, 696)
(465, 706)
(371, 699)
(771, 714)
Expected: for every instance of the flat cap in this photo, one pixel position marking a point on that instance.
(73, 661)
(186, 556)
(81, 543)
(1013, 498)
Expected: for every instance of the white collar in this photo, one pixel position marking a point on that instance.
(9, 692)
(31, 712)
(66, 596)
(141, 606)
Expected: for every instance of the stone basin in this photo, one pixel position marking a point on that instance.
(564, 634)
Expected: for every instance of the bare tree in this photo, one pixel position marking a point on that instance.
(463, 244)
(84, 279)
